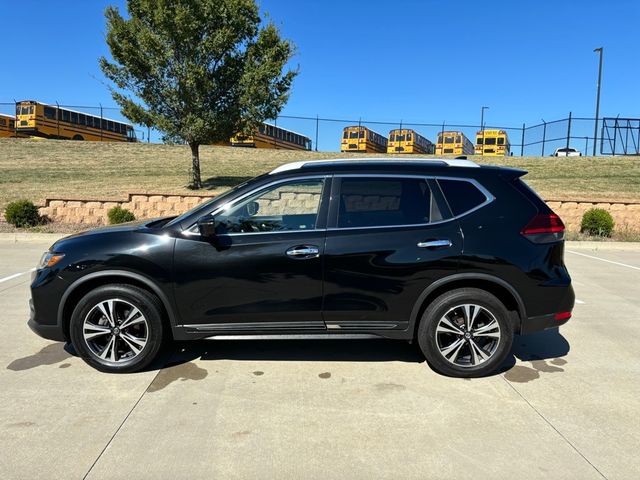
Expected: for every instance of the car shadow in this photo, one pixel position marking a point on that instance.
(539, 353)
(347, 350)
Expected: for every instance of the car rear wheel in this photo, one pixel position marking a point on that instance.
(466, 332)
(117, 328)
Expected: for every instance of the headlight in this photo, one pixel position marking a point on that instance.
(49, 259)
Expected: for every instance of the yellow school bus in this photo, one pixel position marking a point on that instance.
(406, 140)
(49, 121)
(492, 143)
(7, 125)
(453, 143)
(362, 139)
(270, 136)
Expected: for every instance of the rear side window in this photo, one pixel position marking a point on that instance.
(461, 195)
(373, 202)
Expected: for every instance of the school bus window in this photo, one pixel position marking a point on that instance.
(458, 139)
(490, 141)
(3, 122)
(345, 135)
(408, 137)
(501, 141)
(49, 113)
(65, 115)
(480, 139)
(81, 119)
(448, 139)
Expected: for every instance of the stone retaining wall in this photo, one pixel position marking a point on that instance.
(625, 214)
(141, 204)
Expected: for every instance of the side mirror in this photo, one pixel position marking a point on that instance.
(207, 226)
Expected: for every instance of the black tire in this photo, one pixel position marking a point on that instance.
(150, 328)
(432, 341)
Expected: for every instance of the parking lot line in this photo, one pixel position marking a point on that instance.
(603, 260)
(579, 302)
(15, 275)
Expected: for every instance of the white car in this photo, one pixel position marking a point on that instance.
(567, 152)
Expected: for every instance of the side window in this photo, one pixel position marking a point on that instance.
(461, 195)
(500, 140)
(50, 113)
(284, 207)
(373, 202)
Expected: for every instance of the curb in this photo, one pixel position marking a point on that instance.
(604, 245)
(28, 237)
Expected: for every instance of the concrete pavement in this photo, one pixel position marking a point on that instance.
(565, 406)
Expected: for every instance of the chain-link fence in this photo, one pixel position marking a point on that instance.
(616, 136)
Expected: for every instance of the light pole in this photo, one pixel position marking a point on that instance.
(482, 127)
(595, 129)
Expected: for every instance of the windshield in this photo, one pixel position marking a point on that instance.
(204, 206)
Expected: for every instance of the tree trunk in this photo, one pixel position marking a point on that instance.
(196, 181)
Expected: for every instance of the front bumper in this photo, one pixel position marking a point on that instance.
(50, 332)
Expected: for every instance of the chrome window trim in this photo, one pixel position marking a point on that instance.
(488, 198)
(192, 230)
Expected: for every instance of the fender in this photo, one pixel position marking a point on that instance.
(119, 273)
(465, 276)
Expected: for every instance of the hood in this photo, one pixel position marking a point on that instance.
(134, 226)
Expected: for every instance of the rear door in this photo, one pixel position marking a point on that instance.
(389, 239)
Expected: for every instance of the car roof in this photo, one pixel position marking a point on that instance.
(388, 164)
(378, 162)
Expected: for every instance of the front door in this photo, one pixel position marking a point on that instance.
(263, 271)
(388, 240)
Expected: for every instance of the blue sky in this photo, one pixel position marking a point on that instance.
(415, 61)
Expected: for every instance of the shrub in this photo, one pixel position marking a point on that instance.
(120, 215)
(597, 221)
(22, 213)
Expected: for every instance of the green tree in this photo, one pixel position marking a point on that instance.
(197, 70)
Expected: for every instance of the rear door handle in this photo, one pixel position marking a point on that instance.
(435, 244)
(303, 252)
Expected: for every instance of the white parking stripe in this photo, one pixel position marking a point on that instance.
(603, 260)
(15, 275)
(579, 302)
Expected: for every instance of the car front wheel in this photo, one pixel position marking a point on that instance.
(117, 328)
(466, 332)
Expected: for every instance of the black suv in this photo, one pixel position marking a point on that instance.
(457, 256)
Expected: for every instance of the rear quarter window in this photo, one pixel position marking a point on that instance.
(461, 195)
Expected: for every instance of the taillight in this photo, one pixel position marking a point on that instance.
(544, 228)
(562, 316)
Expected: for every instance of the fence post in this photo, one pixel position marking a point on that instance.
(544, 136)
(569, 130)
(148, 134)
(522, 144)
(15, 122)
(586, 145)
(59, 113)
(317, 125)
(442, 141)
(615, 136)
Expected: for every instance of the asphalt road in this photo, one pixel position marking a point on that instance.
(566, 405)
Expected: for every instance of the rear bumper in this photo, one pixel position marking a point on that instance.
(543, 322)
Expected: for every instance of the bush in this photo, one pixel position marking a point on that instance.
(120, 215)
(597, 221)
(22, 213)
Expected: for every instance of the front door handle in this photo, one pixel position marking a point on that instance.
(435, 244)
(303, 252)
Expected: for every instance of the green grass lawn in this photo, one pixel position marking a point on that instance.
(39, 169)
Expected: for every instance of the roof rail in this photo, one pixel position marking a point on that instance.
(457, 162)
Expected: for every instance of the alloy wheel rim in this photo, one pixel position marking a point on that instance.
(468, 335)
(115, 331)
